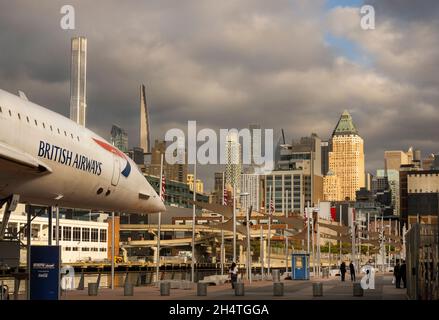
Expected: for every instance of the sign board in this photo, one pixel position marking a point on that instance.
(44, 272)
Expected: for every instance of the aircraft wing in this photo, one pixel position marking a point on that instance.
(22, 159)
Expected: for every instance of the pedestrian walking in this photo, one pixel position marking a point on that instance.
(403, 272)
(352, 271)
(233, 274)
(342, 270)
(397, 275)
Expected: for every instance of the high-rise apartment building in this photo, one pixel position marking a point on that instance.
(250, 185)
(78, 80)
(395, 158)
(325, 148)
(175, 171)
(331, 187)
(234, 164)
(119, 138)
(346, 158)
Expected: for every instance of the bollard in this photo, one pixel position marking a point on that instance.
(317, 289)
(358, 290)
(128, 289)
(93, 289)
(239, 288)
(165, 288)
(275, 274)
(201, 289)
(278, 289)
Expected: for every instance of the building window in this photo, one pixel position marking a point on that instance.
(67, 233)
(76, 234)
(85, 234)
(68, 248)
(94, 235)
(59, 233)
(103, 235)
(75, 249)
(85, 249)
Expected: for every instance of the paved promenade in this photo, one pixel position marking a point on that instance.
(333, 289)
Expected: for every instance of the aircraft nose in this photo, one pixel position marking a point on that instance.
(158, 205)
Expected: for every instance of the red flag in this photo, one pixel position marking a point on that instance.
(271, 206)
(333, 213)
(225, 197)
(164, 187)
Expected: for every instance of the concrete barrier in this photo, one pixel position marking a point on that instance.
(128, 289)
(93, 289)
(201, 289)
(358, 290)
(317, 289)
(239, 288)
(165, 288)
(278, 289)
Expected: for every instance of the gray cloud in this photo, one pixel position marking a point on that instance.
(227, 64)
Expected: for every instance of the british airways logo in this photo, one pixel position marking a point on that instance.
(127, 170)
(69, 158)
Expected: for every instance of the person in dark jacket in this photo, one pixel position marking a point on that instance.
(342, 270)
(233, 274)
(397, 275)
(403, 272)
(352, 271)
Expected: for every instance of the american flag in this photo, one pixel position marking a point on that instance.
(162, 196)
(271, 206)
(225, 197)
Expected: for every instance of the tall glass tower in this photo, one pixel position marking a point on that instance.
(78, 80)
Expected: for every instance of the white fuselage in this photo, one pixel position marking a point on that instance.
(79, 168)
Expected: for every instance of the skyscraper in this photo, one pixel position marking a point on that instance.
(176, 171)
(144, 122)
(78, 80)
(233, 166)
(346, 159)
(119, 138)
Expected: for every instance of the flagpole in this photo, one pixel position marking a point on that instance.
(285, 233)
(159, 220)
(269, 234)
(193, 224)
(234, 223)
(222, 231)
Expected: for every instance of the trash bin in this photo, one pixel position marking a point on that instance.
(128, 289)
(358, 290)
(93, 289)
(239, 289)
(275, 274)
(278, 289)
(201, 289)
(165, 288)
(317, 289)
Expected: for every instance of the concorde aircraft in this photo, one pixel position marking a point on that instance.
(48, 159)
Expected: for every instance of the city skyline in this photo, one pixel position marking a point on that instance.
(391, 94)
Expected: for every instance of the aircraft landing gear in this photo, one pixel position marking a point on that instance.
(11, 205)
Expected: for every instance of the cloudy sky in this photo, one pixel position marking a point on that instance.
(293, 64)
